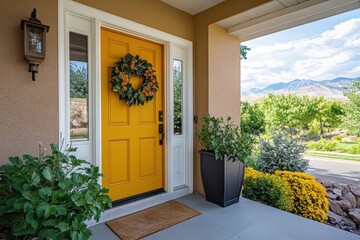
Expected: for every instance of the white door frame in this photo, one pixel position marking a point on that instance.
(73, 16)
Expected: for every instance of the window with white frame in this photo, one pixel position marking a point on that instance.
(178, 96)
(79, 87)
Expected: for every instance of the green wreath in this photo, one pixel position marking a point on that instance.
(132, 65)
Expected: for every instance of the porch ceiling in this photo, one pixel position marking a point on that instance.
(257, 12)
(193, 6)
(279, 15)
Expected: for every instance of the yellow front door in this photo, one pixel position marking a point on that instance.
(132, 156)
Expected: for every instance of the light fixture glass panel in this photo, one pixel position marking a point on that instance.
(36, 39)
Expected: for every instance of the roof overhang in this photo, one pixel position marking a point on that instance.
(193, 6)
(269, 18)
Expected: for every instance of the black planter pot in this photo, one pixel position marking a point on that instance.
(222, 180)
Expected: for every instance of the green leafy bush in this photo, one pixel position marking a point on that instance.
(252, 119)
(342, 149)
(281, 153)
(252, 160)
(223, 137)
(267, 188)
(337, 138)
(309, 196)
(354, 149)
(314, 128)
(351, 120)
(50, 197)
(322, 145)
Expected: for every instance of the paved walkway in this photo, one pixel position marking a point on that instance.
(246, 220)
(338, 170)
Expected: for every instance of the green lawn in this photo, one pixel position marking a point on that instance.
(347, 145)
(333, 155)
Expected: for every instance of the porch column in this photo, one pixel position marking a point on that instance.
(218, 91)
(217, 69)
(224, 73)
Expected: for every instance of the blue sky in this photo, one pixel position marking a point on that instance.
(321, 50)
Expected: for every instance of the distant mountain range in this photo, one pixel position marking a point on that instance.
(330, 89)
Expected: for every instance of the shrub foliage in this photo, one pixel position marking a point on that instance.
(281, 153)
(309, 196)
(323, 145)
(49, 197)
(224, 137)
(267, 188)
(252, 119)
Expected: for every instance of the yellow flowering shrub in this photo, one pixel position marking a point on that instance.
(267, 188)
(309, 196)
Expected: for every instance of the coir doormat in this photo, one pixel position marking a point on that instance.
(151, 220)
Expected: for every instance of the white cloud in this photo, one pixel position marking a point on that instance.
(343, 30)
(327, 55)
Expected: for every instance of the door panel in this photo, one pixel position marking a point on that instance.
(147, 157)
(117, 115)
(132, 158)
(119, 159)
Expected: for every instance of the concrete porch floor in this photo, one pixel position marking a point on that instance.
(247, 220)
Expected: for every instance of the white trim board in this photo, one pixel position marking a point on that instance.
(70, 14)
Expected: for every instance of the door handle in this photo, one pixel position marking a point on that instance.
(161, 131)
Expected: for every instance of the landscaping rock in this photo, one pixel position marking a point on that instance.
(349, 139)
(335, 208)
(355, 189)
(337, 192)
(351, 198)
(344, 204)
(332, 196)
(344, 200)
(327, 184)
(341, 222)
(354, 214)
(342, 186)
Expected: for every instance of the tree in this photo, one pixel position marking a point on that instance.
(352, 109)
(293, 113)
(178, 86)
(252, 119)
(288, 112)
(243, 51)
(78, 81)
(329, 113)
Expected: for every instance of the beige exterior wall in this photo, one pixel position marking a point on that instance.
(224, 73)
(28, 110)
(152, 13)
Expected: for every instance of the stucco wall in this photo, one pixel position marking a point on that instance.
(224, 73)
(152, 13)
(28, 110)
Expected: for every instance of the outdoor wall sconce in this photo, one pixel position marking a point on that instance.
(34, 42)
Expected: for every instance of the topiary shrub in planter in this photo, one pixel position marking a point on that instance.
(50, 197)
(309, 196)
(224, 150)
(281, 153)
(267, 188)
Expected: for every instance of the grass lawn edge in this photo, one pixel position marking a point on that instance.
(332, 155)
